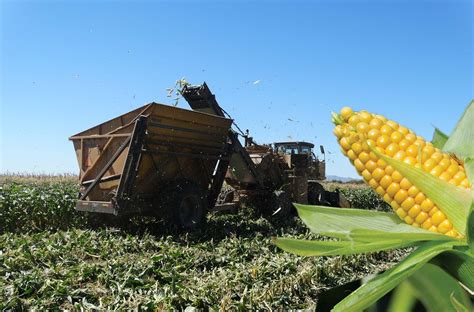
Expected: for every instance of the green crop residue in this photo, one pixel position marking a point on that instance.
(52, 257)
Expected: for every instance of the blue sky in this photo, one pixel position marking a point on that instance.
(66, 66)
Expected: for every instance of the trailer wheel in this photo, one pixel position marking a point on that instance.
(190, 207)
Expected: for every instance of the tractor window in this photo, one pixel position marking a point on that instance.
(306, 150)
(291, 150)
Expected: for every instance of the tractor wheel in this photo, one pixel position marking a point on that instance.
(315, 193)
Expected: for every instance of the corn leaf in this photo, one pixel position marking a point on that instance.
(336, 248)
(434, 287)
(460, 264)
(454, 201)
(403, 298)
(470, 230)
(460, 141)
(361, 225)
(458, 305)
(373, 290)
(469, 167)
(439, 138)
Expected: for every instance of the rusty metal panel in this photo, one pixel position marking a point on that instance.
(95, 206)
(178, 144)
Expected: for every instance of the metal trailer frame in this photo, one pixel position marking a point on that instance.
(128, 152)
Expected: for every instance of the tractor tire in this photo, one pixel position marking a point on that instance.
(316, 194)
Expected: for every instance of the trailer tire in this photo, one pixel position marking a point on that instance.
(189, 207)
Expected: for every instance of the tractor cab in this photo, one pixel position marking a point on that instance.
(294, 148)
(317, 167)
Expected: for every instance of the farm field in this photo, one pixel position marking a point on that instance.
(53, 257)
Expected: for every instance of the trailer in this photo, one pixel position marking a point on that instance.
(157, 159)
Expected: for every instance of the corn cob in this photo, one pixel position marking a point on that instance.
(355, 131)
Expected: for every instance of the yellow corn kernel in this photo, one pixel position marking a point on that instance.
(385, 181)
(445, 176)
(405, 184)
(414, 211)
(410, 137)
(352, 156)
(359, 165)
(403, 144)
(433, 211)
(366, 175)
(345, 143)
(389, 170)
(429, 164)
(410, 160)
(386, 130)
(413, 191)
(362, 127)
(364, 157)
(421, 217)
(356, 147)
(444, 163)
(393, 189)
(394, 205)
(419, 198)
(403, 130)
(427, 205)
(427, 224)
(371, 165)
(376, 123)
(408, 219)
(397, 177)
(445, 226)
(451, 233)
(437, 156)
(381, 164)
(465, 183)
(365, 116)
(412, 150)
(380, 190)
(378, 174)
(437, 218)
(436, 171)
(353, 120)
(373, 183)
(392, 124)
(401, 196)
(387, 198)
(392, 149)
(346, 112)
(373, 134)
(408, 203)
(400, 155)
(383, 141)
(401, 213)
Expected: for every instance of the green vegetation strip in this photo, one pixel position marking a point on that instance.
(52, 257)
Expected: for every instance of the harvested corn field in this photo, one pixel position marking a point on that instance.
(49, 260)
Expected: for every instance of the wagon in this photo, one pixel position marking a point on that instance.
(156, 159)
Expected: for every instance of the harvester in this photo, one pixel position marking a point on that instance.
(279, 173)
(171, 162)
